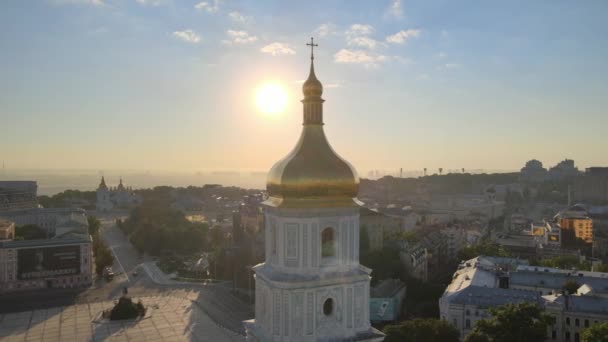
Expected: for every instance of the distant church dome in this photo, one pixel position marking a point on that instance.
(312, 174)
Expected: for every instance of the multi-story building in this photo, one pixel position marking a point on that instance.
(455, 238)
(18, 195)
(592, 186)
(414, 258)
(62, 261)
(486, 282)
(573, 314)
(56, 221)
(563, 170)
(582, 226)
(437, 252)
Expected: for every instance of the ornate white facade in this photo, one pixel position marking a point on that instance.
(119, 197)
(312, 287)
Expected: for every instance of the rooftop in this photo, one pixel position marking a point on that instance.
(387, 288)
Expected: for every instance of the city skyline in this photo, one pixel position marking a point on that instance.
(168, 85)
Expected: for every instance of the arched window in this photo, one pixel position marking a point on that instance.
(576, 322)
(468, 323)
(328, 247)
(328, 307)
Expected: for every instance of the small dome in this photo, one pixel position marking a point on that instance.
(312, 87)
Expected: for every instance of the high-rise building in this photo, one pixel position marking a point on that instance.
(311, 286)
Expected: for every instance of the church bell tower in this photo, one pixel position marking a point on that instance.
(311, 286)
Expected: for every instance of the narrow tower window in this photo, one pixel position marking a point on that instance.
(328, 248)
(328, 306)
(274, 239)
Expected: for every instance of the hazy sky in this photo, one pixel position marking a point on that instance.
(169, 84)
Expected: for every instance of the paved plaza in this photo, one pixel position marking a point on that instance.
(169, 318)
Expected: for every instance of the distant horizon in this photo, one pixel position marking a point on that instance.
(53, 181)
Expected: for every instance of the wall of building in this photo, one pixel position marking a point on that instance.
(12, 278)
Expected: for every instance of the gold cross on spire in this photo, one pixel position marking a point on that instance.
(312, 47)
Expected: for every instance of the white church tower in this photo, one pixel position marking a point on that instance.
(104, 203)
(312, 287)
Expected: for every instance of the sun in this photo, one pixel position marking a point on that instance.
(271, 98)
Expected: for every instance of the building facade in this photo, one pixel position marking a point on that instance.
(582, 226)
(16, 195)
(592, 186)
(311, 286)
(486, 282)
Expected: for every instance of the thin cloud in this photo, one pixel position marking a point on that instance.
(278, 49)
(79, 2)
(153, 3)
(366, 58)
(448, 66)
(365, 42)
(325, 30)
(358, 35)
(188, 36)
(239, 38)
(402, 36)
(360, 30)
(237, 17)
(209, 6)
(395, 9)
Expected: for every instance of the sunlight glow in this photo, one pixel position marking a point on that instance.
(271, 98)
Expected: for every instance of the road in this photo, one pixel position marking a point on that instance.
(215, 300)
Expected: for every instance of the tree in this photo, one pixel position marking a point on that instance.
(385, 263)
(30, 232)
(419, 329)
(94, 225)
(363, 241)
(523, 322)
(486, 249)
(103, 256)
(595, 333)
(571, 286)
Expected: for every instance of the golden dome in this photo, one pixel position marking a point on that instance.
(312, 174)
(312, 87)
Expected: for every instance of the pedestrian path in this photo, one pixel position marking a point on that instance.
(156, 274)
(169, 319)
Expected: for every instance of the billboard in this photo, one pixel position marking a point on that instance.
(44, 262)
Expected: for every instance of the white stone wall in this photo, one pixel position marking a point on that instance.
(294, 243)
(297, 314)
